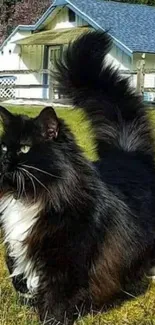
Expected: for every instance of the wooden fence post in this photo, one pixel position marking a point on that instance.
(51, 90)
(140, 75)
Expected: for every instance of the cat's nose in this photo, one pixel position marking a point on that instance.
(7, 165)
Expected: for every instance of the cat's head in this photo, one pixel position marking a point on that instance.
(31, 152)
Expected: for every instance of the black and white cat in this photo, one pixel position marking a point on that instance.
(78, 232)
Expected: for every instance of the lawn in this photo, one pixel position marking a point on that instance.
(140, 310)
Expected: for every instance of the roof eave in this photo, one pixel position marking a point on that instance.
(142, 51)
(97, 26)
(18, 28)
(47, 13)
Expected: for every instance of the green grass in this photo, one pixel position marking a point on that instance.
(138, 311)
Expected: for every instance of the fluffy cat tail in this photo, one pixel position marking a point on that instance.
(114, 109)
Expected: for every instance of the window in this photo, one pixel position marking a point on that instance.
(119, 54)
(126, 59)
(71, 16)
(123, 57)
(54, 54)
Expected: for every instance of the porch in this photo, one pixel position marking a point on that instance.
(37, 53)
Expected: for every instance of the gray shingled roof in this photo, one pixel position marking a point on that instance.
(133, 25)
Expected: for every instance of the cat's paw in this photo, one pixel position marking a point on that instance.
(151, 274)
(27, 299)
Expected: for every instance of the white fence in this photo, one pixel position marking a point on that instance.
(16, 84)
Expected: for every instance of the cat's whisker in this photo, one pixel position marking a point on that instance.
(2, 177)
(34, 177)
(31, 179)
(17, 178)
(14, 176)
(22, 183)
(34, 188)
(33, 184)
(42, 171)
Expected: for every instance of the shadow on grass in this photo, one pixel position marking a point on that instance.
(131, 292)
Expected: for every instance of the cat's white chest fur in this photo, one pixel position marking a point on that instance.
(18, 220)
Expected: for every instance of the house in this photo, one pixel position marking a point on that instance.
(30, 50)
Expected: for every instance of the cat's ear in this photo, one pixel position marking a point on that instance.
(49, 122)
(6, 116)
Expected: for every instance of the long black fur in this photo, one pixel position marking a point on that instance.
(115, 110)
(96, 231)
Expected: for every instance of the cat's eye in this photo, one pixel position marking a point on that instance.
(25, 149)
(4, 148)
